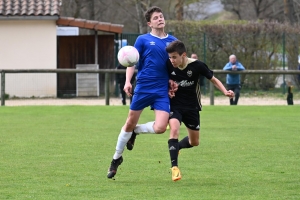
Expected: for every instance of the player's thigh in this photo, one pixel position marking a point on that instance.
(161, 102)
(161, 107)
(161, 121)
(175, 122)
(132, 120)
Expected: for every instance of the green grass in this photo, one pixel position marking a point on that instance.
(63, 152)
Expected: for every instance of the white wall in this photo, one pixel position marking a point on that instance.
(29, 44)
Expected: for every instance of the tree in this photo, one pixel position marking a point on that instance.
(284, 11)
(200, 10)
(179, 9)
(127, 12)
(289, 11)
(140, 6)
(234, 6)
(271, 10)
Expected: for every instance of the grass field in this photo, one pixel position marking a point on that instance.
(63, 152)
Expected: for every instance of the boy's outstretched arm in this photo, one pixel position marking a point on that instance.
(221, 87)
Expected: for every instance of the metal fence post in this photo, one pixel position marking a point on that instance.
(106, 88)
(2, 88)
(283, 61)
(212, 93)
(204, 58)
(117, 36)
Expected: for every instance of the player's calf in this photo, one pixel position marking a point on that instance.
(130, 143)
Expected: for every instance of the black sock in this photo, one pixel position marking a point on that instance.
(184, 143)
(173, 149)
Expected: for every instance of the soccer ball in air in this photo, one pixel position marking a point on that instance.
(128, 56)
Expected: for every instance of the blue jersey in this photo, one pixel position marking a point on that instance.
(152, 76)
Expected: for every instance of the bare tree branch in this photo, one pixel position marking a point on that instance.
(179, 9)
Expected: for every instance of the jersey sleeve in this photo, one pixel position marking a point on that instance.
(205, 71)
(139, 45)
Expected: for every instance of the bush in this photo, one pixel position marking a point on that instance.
(258, 45)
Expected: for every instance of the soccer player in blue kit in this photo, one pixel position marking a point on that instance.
(186, 103)
(152, 86)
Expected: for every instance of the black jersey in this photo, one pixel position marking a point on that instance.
(187, 78)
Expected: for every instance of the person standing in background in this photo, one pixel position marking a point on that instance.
(299, 74)
(233, 80)
(121, 78)
(194, 56)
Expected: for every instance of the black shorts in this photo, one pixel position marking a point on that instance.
(190, 118)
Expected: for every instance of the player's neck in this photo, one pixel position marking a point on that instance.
(158, 32)
(184, 63)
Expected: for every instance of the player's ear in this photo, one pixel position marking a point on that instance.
(148, 23)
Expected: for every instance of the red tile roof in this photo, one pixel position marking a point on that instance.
(29, 7)
(90, 24)
(32, 8)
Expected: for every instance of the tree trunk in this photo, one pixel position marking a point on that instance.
(289, 13)
(139, 12)
(77, 10)
(179, 9)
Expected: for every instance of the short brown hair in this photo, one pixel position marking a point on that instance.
(176, 46)
(150, 11)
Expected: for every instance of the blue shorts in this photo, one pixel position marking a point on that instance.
(156, 101)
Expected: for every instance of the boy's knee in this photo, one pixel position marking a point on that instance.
(160, 130)
(129, 126)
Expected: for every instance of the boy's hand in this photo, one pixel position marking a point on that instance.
(229, 94)
(173, 87)
(128, 89)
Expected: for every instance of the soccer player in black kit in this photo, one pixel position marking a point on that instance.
(186, 101)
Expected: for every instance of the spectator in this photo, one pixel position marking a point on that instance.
(289, 98)
(233, 80)
(121, 78)
(194, 56)
(299, 74)
(201, 78)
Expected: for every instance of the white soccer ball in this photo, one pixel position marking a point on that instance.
(128, 56)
